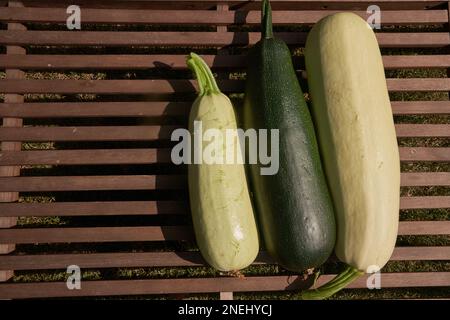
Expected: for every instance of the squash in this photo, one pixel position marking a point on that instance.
(222, 213)
(356, 133)
(293, 206)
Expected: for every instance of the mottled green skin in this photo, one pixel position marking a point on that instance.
(294, 207)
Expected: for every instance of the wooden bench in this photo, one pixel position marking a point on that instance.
(87, 116)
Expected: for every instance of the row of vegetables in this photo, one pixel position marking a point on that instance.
(338, 181)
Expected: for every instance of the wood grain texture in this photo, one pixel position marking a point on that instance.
(123, 208)
(96, 109)
(190, 38)
(159, 182)
(79, 183)
(150, 156)
(199, 285)
(100, 208)
(8, 222)
(152, 87)
(420, 107)
(172, 259)
(168, 233)
(137, 61)
(100, 156)
(245, 4)
(151, 133)
(203, 17)
(164, 109)
(91, 133)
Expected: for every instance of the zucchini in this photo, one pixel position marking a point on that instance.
(222, 213)
(293, 206)
(353, 116)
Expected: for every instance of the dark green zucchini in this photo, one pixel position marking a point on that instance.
(294, 207)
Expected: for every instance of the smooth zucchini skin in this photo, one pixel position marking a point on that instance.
(294, 208)
(224, 223)
(353, 115)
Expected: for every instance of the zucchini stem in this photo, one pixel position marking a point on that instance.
(266, 18)
(336, 284)
(206, 82)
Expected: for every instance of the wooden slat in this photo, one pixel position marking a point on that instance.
(424, 228)
(147, 156)
(100, 133)
(157, 182)
(433, 202)
(244, 4)
(95, 109)
(179, 61)
(419, 107)
(122, 234)
(422, 130)
(138, 133)
(95, 234)
(187, 38)
(423, 154)
(425, 179)
(199, 285)
(109, 86)
(196, 17)
(159, 108)
(91, 157)
(64, 183)
(413, 61)
(172, 259)
(111, 208)
(177, 86)
(420, 253)
(8, 222)
(419, 84)
(94, 208)
(107, 260)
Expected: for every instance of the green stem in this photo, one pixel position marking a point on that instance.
(206, 82)
(266, 18)
(336, 284)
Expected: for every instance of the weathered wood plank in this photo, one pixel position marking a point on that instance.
(198, 285)
(72, 183)
(148, 156)
(123, 234)
(111, 208)
(172, 259)
(163, 109)
(179, 61)
(96, 208)
(158, 182)
(177, 86)
(204, 17)
(149, 133)
(188, 38)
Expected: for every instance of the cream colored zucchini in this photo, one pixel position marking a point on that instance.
(222, 213)
(354, 122)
